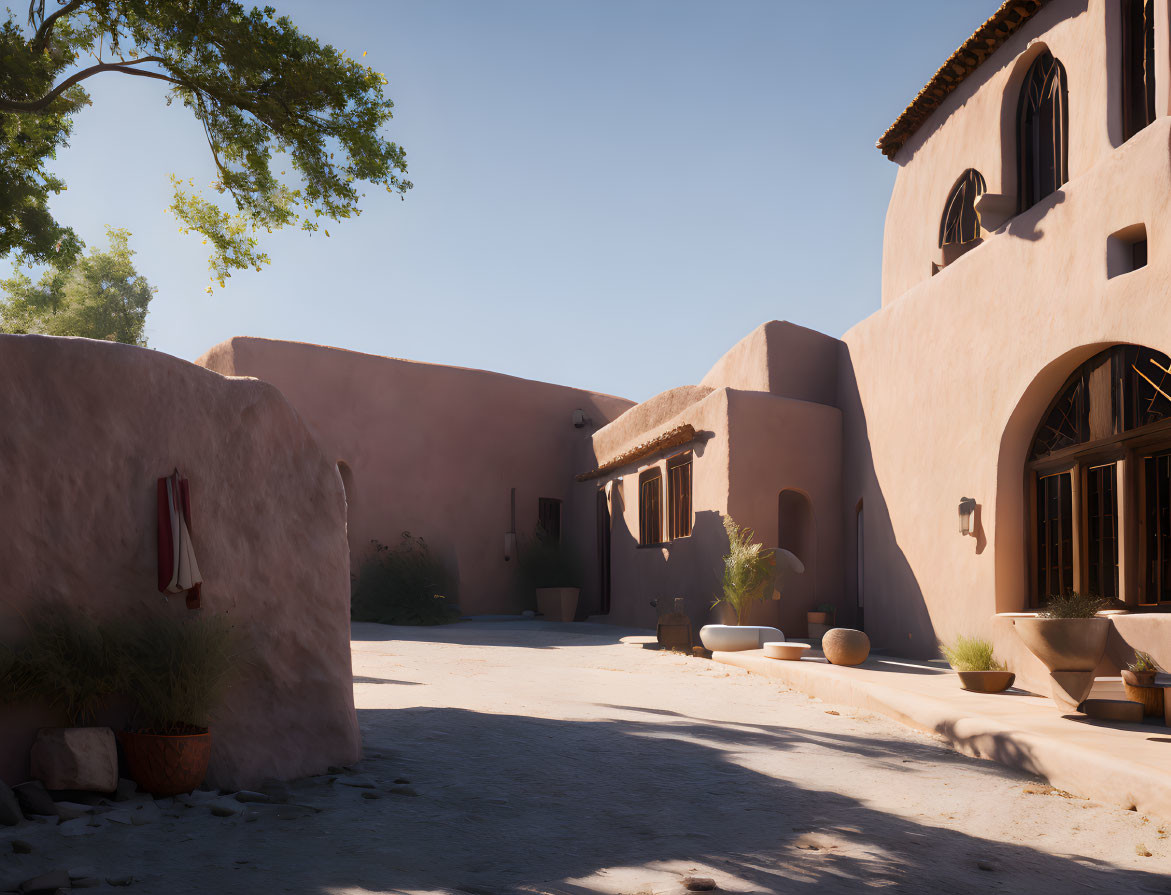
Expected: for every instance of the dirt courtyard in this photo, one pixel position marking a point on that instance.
(516, 756)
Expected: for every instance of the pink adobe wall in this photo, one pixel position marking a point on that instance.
(88, 428)
(975, 128)
(943, 388)
(781, 358)
(435, 450)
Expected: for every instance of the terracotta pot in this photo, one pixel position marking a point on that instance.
(845, 646)
(1065, 644)
(1150, 697)
(986, 681)
(166, 765)
(1138, 678)
(817, 618)
(558, 604)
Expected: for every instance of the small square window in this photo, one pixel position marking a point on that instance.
(1126, 250)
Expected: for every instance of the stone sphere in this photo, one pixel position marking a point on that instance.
(845, 646)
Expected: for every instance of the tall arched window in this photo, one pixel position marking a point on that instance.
(960, 223)
(1100, 477)
(1042, 126)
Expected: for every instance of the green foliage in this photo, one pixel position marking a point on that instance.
(66, 661)
(99, 296)
(1073, 605)
(970, 654)
(403, 586)
(546, 562)
(1143, 662)
(179, 668)
(747, 568)
(293, 125)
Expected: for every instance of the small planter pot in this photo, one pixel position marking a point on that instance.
(986, 681)
(167, 764)
(817, 618)
(1138, 678)
(558, 604)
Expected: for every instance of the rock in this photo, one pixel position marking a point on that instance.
(86, 882)
(198, 797)
(34, 799)
(121, 816)
(371, 795)
(987, 866)
(845, 646)
(401, 780)
(80, 826)
(72, 810)
(245, 795)
(699, 884)
(120, 880)
(145, 813)
(360, 781)
(22, 847)
(46, 882)
(334, 769)
(277, 791)
(226, 807)
(10, 814)
(75, 758)
(403, 790)
(125, 790)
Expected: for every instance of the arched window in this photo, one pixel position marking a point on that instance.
(1100, 476)
(960, 224)
(1042, 126)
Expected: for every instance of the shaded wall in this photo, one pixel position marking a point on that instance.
(435, 450)
(88, 428)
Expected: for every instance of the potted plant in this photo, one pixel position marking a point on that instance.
(551, 572)
(178, 670)
(977, 668)
(1141, 672)
(823, 615)
(748, 567)
(1069, 638)
(69, 663)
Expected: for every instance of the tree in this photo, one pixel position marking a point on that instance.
(268, 98)
(99, 296)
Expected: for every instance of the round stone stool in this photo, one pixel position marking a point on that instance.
(845, 646)
(790, 651)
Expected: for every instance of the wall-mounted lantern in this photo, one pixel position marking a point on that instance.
(967, 509)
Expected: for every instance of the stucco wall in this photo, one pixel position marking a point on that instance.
(781, 358)
(434, 450)
(88, 427)
(943, 389)
(975, 127)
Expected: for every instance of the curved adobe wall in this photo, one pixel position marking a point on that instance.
(88, 428)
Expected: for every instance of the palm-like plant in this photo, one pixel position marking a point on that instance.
(748, 567)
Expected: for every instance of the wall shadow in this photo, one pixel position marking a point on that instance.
(548, 802)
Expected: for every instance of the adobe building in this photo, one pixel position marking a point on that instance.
(1019, 360)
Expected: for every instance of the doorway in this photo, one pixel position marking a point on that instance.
(603, 520)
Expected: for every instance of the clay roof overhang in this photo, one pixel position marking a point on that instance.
(1003, 24)
(669, 439)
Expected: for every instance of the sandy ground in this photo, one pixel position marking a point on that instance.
(555, 759)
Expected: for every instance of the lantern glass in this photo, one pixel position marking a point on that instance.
(966, 509)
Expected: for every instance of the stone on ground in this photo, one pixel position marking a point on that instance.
(34, 799)
(46, 882)
(10, 814)
(83, 758)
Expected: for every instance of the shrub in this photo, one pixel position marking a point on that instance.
(179, 669)
(1143, 662)
(747, 568)
(1073, 605)
(67, 661)
(403, 586)
(970, 654)
(546, 562)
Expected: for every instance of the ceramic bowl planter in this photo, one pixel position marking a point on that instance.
(986, 681)
(845, 646)
(167, 764)
(1071, 649)
(1138, 678)
(558, 604)
(736, 638)
(792, 652)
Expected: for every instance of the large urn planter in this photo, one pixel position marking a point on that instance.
(986, 681)
(1071, 649)
(558, 603)
(167, 764)
(736, 638)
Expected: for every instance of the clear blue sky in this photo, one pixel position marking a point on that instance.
(607, 194)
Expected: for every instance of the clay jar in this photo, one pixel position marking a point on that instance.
(845, 646)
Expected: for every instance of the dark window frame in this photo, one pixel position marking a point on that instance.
(1138, 65)
(650, 507)
(679, 506)
(1042, 131)
(960, 223)
(549, 517)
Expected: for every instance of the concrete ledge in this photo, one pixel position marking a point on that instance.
(1122, 764)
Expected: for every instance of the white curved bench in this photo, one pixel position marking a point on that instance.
(734, 638)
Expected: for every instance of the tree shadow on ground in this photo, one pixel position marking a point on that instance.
(512, 804)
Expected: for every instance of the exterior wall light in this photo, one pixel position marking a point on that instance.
(967, 509)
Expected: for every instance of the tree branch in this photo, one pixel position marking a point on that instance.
(41, 38)
(36, 105)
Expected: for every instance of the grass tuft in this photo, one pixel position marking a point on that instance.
(970, 654)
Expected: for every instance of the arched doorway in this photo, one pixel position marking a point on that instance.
(796, 533)
(347, 475)
(1097, 482)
